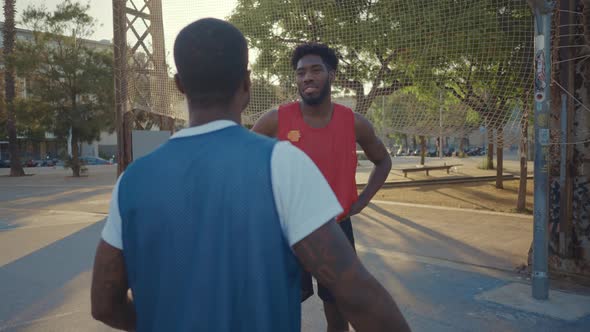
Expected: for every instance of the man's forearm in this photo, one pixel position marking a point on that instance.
(121, 316)
(376, 179)
(110, 297)
(373, 309)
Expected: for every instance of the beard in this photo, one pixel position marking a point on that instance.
(313, 101)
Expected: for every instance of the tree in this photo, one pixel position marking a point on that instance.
(368, 59)
(521, 201)
(73, 80)
(9, 31)
(422, 149)
(492, 85)
(384, 47)
(265, 97)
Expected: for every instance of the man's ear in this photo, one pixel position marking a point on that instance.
(247, 89)
(332, 76)
(247, 82)
(178, 83)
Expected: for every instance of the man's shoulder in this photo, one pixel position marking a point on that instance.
(268, 123)
(345, 112)
(289, 105)
(343, 107)
(260, 138)
(290, 108)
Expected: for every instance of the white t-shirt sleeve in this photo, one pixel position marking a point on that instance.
(303, 197)
(112, 233)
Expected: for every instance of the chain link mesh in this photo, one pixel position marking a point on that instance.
(445, 67)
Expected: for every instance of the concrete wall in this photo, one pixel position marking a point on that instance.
(146, 141)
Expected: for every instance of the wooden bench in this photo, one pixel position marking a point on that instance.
(427, 169)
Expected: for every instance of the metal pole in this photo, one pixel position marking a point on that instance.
(124, 154)
(540, 287)
(566, 78)
(383, 129)
(440, 138)
(562, 168)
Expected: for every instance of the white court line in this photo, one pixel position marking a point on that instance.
(14, 228)
(444, 208)
(100, 217)
(55, 211)
(39, 320)
(57, 186)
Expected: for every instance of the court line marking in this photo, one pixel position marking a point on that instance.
(444, 208)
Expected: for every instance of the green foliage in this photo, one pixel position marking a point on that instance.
(71, 78)
(478, 52)
(265, 96)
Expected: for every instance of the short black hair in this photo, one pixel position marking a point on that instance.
(211, 58)
(327, 54)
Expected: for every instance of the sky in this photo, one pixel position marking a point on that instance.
(177, 14)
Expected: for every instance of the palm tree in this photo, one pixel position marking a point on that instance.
(9, 31)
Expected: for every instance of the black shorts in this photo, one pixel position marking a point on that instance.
(306, 282)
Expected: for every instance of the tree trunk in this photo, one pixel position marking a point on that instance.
(414, 143)
(422, 149)
(461, 147)
(521, 202)
(406, 146)
(16, 169)
(75, 155)
(75, 138)
(500, 159)
(490, 159)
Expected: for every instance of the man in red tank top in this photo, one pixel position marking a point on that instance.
(328, 134)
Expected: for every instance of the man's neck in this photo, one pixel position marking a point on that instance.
(198, 117)
(322, 110)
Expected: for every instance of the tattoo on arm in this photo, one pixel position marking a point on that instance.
(328, 256)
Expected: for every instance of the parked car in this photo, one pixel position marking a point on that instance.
(432, 153)
(94, 161)
(4, 163)
(449, 152)
(475, 151)
(401, 152)
(30, 163)
(47, 162)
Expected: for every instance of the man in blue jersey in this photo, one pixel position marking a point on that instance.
(208, 230)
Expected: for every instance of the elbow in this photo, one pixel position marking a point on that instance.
(388, 162)
(385, 164)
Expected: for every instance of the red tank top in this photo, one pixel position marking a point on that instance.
(332, 148)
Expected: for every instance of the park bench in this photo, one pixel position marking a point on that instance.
(427, 169)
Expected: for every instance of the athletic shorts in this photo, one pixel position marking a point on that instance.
(306, 282)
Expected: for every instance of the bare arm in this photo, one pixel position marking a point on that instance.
(377, 154)
(329, 257)
(110, 302)
(267, 125)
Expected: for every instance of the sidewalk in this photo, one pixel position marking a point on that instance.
(444, 267)
(470, 167)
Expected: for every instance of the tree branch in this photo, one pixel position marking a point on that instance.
(288, 40)
(395, 86)
(352, 85)
(456, 94)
